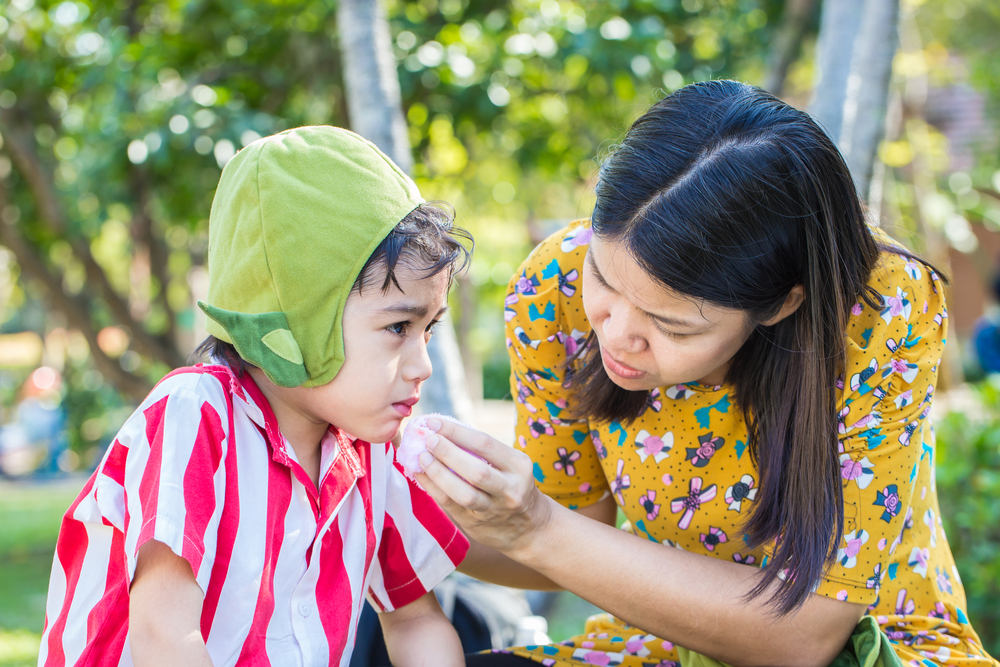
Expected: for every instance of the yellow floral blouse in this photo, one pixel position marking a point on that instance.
(682, 474)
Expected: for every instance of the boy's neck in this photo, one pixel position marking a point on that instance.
(303, 432)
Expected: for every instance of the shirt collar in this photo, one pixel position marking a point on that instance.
(251, 400)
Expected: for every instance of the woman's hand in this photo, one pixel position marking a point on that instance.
(493, 498)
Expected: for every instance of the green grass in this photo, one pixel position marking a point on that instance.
(30, 515)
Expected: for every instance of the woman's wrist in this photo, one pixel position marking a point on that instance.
(541, 518)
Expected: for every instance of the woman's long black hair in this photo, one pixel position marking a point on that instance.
(725, 194)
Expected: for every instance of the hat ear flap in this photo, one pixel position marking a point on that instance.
(265, 341)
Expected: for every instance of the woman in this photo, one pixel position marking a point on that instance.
(729, 354)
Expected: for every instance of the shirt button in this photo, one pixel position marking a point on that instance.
(305, 609)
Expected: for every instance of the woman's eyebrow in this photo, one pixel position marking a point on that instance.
(670, 321)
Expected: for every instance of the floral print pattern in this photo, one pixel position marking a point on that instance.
(900, 567)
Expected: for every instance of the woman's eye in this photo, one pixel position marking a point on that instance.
(431, 327)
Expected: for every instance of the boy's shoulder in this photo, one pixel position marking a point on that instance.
(212, 383)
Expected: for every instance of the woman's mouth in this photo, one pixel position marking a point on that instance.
(618, 368)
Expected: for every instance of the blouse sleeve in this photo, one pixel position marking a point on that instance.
(892, 363)
(545, 327)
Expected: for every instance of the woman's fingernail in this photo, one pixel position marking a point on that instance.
(432, 441)
(425, 459)
(434, 424)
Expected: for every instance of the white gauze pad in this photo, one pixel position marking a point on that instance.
(414, 442)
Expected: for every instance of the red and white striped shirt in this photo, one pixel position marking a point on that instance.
(202, 467)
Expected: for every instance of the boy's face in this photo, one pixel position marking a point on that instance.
(385, 347)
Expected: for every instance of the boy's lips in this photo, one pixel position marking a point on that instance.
(405, 408)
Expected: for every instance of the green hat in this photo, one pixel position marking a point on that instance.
(295, 218)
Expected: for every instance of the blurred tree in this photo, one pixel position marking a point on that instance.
(116, 117)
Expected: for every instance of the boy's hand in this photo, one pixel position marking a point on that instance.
(494, 500)
(165, 611)
(420, 635)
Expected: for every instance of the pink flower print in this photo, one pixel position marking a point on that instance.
(859, 379)
(847, 555)
(931, 524)
(636, 645)
(714, 537)
(857, 309)
(943, 580)
(907, 370)
(942, 654)
(918, 560)
(871, 420)
(652, 509)
(589, 657)
(889, 499)
(745, 560)
(571, 342)
(678, 392)
(647, 445)
(566, 460)
(940, 611)
(602, 451)
(913, 270)
(526, 340)
(842, 596)
(895, 306)
(740, 491)
(540, 427)
(875, 581)
(842, 418)
(521, 442)
(904, 399)
(652, 401)
(692, 502)
(508, 311)
(578, 237)
(708, 444)
(904, 606)
(526, 285)
(861, 472)
(908, 431)
(620, 482)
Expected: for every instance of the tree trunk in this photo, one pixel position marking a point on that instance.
(374, 106)
(852, 92)
(787, 42)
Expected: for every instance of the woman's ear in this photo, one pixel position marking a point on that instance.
(792, 302)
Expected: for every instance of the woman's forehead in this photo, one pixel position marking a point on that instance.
(623, 273)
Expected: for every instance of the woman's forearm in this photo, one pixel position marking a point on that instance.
(692, 600)
(488, 564)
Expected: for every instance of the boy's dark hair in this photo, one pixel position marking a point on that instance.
(727, 195)
(425, 240)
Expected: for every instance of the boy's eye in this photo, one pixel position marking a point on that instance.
(399, 328)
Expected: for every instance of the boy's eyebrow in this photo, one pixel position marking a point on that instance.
(416, 311)
(660, 318)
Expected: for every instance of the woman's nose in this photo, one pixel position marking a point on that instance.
(620, 333)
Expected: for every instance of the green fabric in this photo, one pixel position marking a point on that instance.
(295, 218)
(867, 647)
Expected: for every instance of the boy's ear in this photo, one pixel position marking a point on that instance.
(265, 341)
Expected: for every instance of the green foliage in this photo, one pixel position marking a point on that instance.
(968, 484)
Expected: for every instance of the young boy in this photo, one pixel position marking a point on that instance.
(242, 513)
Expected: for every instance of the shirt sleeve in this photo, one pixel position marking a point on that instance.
(546, 326)
(420, 545)
(163, 479)
(892, 364)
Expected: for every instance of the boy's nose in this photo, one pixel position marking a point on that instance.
(418, 366)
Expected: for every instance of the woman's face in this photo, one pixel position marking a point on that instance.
(651, 336)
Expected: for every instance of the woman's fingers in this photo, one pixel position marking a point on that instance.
(495, 452)
(472, 469)
(446, 487)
